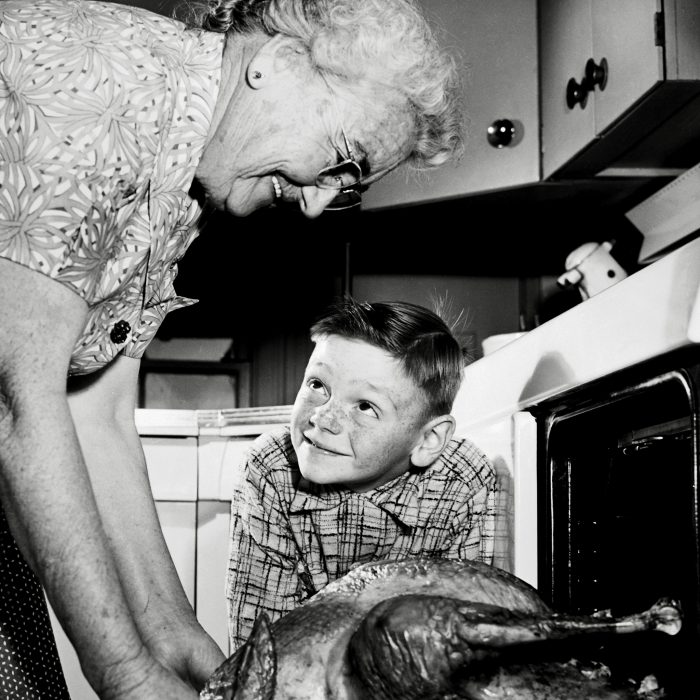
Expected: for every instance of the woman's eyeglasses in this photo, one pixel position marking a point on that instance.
(346, 177)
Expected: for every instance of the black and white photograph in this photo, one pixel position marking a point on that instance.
(349, 349)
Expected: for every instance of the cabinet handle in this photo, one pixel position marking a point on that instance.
(596, 74)
(500, 133)
(576, 93)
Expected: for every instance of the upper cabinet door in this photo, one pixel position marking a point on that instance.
(566, 43)
(496, 43)
(597, 58)
(625, 34)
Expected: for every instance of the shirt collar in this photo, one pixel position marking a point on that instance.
(398, 497)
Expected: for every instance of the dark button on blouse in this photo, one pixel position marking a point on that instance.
(119, 332)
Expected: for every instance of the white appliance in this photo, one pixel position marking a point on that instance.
(651, 313)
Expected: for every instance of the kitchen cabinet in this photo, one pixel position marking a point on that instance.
(612, 72)
(496, 46)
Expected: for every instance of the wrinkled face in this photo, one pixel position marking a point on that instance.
(286, 130)
(357, 416)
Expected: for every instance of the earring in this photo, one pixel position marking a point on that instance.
(254, 78)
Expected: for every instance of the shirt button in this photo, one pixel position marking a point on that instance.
(119, 332)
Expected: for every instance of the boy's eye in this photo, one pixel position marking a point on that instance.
(317, 385)
(368, 408)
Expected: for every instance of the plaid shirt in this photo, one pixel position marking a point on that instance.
(290, 539)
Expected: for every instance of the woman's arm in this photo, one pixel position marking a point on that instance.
(103, 406)
(46, 492)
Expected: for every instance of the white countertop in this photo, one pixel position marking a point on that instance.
(223, 422)
(651, 312)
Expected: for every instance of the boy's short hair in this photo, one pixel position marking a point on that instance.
(416, 336)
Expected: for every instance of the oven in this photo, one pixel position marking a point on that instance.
(592, 421)
(618, 509)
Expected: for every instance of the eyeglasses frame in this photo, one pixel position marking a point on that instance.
(354, 187)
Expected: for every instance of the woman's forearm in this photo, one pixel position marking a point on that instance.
(102, 407)
(46, 492)
(120, 482)
(103, 413)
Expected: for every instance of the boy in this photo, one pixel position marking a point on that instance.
(368, 469)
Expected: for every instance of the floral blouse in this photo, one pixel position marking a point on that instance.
(104, 111)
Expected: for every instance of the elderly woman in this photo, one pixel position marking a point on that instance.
(111, 119)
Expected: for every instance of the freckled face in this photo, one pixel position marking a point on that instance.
(357, 416)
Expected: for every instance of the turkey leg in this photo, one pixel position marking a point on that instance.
(414, 646)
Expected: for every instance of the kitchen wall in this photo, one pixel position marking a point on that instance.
(262, 280)
(487, 305)
(190, 373)
(478, 306)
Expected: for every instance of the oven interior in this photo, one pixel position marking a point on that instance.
(619, 526)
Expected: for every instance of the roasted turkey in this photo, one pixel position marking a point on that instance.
(429, 629)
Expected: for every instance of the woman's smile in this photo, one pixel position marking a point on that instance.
(276, 187)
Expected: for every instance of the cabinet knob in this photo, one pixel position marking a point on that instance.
(576, 93)
(500, 133)
(596, 74)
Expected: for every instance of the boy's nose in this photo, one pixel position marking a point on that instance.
(327, 417)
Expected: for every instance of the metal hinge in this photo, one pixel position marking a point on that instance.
(659, 31)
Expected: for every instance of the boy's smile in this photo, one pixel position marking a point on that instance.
(321, 448)
(357, 416)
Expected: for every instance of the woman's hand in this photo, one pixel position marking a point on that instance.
(187, 650)
(158, 686)
(174, 665)
(143, 678)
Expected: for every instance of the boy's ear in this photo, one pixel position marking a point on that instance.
(435, 435)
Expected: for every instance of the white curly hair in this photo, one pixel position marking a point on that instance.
(377, 44)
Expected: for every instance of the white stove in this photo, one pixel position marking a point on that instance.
(651, 312)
